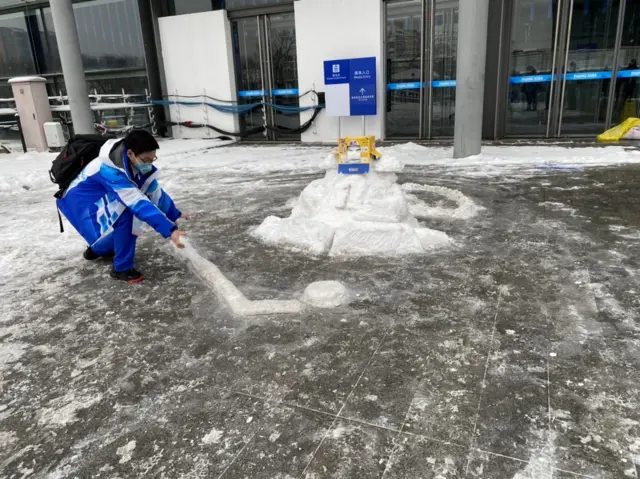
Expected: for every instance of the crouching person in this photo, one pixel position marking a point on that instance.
(113, 194)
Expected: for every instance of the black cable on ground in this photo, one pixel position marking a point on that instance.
(190, 124)
(301, 129)
(228, 101)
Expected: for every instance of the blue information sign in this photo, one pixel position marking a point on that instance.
(362, 86)
(351, 87)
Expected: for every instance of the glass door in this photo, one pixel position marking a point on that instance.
(588, 64)
(562, 65)
(248, 38)
(283, 77)
(444, 48)
(422, 37)
(535, 30)
(626, 96)
(405, 69)
(267, 76)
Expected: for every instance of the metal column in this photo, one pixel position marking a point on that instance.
(553, 91)
(422, 79)
(151, 52)
(472, 53)
(64, 24)
(565, 69)
(429, 22)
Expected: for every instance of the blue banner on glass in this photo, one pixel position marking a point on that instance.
(443, 83)
(251, 93)
(530, 79)
(417, 85)
(575, 76)
(285, 92)
(589, 76)
(414, 85)
(629, 73)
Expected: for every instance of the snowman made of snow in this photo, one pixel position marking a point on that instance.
(362, 214)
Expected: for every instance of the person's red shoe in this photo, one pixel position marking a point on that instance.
(132, 276)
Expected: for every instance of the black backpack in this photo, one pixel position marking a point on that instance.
(78, 153)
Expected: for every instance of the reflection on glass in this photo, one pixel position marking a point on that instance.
(109, 31)
(239, 4)
(590, 60)
(110, 35)
(445, 44)
(181, 7)
(284, 68)
(404, 34)
(530, 66)
(15, 51)
(627, 93)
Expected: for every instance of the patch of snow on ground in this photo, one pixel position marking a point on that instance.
(10, 353)
(465, 210)
(541, 463)
(63, 409)
(326, 294)
(557, 207)
(125, 452)
(496, 160)
(213, 436)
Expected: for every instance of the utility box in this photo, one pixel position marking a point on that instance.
(32, 103)
(55, 135)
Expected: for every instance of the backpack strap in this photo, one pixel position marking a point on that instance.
(60, 220)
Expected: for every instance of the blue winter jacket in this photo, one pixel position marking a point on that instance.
(103, 191)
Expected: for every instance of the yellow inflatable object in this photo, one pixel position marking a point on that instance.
(618, 132)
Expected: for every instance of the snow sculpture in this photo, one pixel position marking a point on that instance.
(353, 214)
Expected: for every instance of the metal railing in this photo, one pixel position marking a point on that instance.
(113, 113)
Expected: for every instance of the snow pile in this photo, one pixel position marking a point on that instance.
(26, 172)
(466, 207)
(30, 171)
(326, 294)
(227, 292)
(353, 215)
(519, 160)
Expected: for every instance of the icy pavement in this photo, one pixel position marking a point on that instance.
(514, 355)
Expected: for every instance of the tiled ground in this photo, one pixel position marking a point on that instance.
(514, 355)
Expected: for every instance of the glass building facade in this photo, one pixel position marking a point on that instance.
(572, 66)
(110, 41)
(555, 68)
(421, 47)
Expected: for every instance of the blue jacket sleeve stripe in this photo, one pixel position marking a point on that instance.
(129, 194)
(163, 201)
